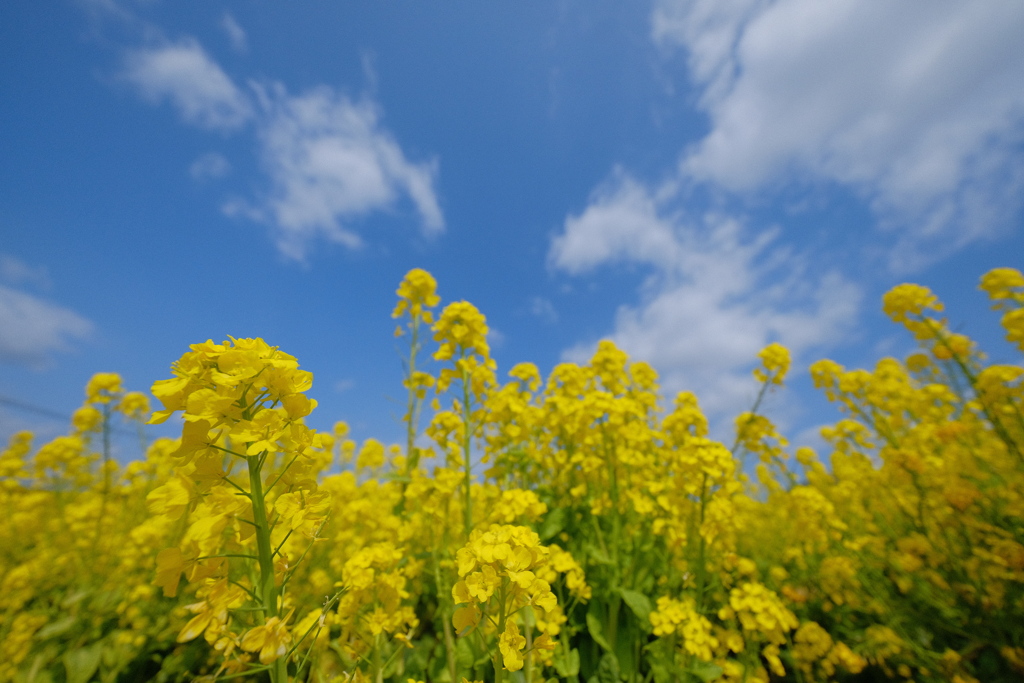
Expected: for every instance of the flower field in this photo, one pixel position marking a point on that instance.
(530, 528)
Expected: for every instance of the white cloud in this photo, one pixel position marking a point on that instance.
(14, 271)
(620, 224)
(209, 166)
(917, 106)
(183, 73)
(330, 161)
(31, 328)
(544, 309)
(495, 337)
(236, 34)
(715, 298)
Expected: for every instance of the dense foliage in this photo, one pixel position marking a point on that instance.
(564, 528)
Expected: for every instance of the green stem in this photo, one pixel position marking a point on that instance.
(612, 625)
(528, 632)
(444, 606)
(466, 445)
(412, 416)
(499, 662)
(701, 568)
(106, 478)
(411, 455)
(267, 589)
(378, 668)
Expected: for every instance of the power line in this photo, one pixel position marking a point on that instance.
(28, 407)
(53, 414)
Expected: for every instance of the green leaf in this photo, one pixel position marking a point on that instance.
(82, 663)
(607, 670)
(464, 655)
(36, 673)
(74, 598)
(34, 676)
(567, 664)
(625, 652)
(639, 603)
(706, 671)
(597, 632)
(56, 628)
(598, 555)
(553, 524)
(661, 672)
(437, 664)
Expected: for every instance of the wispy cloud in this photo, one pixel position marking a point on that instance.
(209, 166)
(544, 309)
(191, 80)
(31, 329)
(16, 272)
(329, 161)
(235, 33)
(916, 106)
(715, 295)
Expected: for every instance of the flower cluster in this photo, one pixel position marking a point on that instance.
(498, 578)
(243, 402)
(569, 525)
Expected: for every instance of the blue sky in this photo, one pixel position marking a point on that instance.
(693, 179)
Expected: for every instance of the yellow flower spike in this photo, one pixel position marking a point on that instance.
(134, 405)
(775, 363)
(907, 301)
(1013, 323)
(417, 291)
(461, 326)
(952, 346)
(87, 419)
(1000, 283)
(103, 387)
(371, 455)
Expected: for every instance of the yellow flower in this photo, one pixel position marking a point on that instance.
(298, 508)
(371, 455)
(465, 618)
(134, 405)
(87, 419)
(908, 300)
(417, 291)
(103, 387)
(680, 616)
(272, 639)
(170, 563)
(511, 644)
(461, 326)
(775, 364)
(170, 500)
(1000, 283)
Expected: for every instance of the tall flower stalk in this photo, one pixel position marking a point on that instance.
(243, 402)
